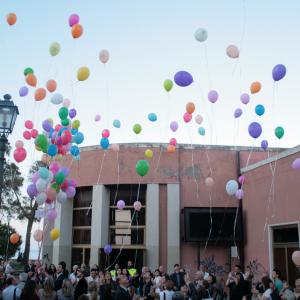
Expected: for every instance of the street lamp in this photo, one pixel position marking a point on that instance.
(8, 116)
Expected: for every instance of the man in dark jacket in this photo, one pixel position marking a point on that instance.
(122, 292)
(177, 277)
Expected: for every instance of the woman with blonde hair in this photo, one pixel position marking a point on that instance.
(66, 291)
(93, 291)
(47, 293)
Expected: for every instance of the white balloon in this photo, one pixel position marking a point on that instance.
(231, 187)
(57, 99)
(233, 51)
(41, 198)
(199, 119)
(201, 34)
(62, 197)
(41, 185)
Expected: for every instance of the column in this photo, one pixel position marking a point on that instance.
(47, 248)
(152, 225)
(100, 221)
(173, 219)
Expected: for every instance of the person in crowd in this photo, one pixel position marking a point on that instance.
(22, 280)
(168, 292)
(286, 292)
(157, 279)
(113, 272)
(59, 277)
(276, 276)
(66, 291)
(10, 291)
(146, 291)
(82, 286)
(40, 276)
(122, 290)
(297, 289)
(51, 270)
(125, 273)
(29, 291)
(185, 292)
(177, 277)
(162, 272)
(73, 275)
(178, 296)
(47, 293)
(203, 268)
(108, 288)
(9, 268)
(93, 277)
(29, 266)
(131, 269)
(236, 285)
(93, 290)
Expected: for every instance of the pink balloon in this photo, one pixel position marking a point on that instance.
(34, 133)
(120, 204)
(19, 144)
(233, 51)
(209, 182)
(199, 119)
(28, 124)
(173, 142)
(105, 133)
(38, 235)
(73, 20)
(296, 163)
(51, 214)
(239, 194)
(66, 102)
(187, 117)
(115, 147)
(137, 205)
(20, 154)
(173, 126)
(296, 258)
(104, 56)
(51, 193)
(54, 167)
(245, 98)
(27, 135)
(213, 96)
(97, 118)
(242, 179)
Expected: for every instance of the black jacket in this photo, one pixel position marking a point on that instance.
(122, 294)
(81, 288)
(59, 281)
(181, 282)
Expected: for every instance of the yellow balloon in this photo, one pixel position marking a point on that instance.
(76, 124)
(54, 234)
(149, 153)
(83, 73)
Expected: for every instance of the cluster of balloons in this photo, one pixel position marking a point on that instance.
(232, 188)
(104, 142)
(76, 28)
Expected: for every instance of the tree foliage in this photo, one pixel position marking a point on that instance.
(5, 245)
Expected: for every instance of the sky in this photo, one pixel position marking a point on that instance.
(149, 41)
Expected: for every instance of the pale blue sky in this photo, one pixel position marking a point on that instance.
(150, 41)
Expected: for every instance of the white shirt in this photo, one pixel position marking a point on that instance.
(267, 294)
(168, 294)
(206, 275)
(8, 293)
(91, 279)
(73, 278)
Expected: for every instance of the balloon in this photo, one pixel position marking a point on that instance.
(142, 167)
(264, 145)
(137, 205)
(46, 125)
(31, 80)
(239, 194)
(190, 107)
(104, 143)
(44, 173)
(54, 166)
(34, 133)
(238, 112)
(279, 132)
(104, 56)
(11, 19)
(23, 91)
(116, 123)
(120, 204)
(173, 142)
(173, 126)
(83, 73)
(74, 151)
(14, 238)
(38, 235)
(51, 85)
(107, 249)
(255, 87)
(77, 31)
(213, 96)
(278, 72)
(35, 176)
(255, 130)
(296, 258)
(31, 190)
(41, 185)
(171, 148)
(28, 124)
(72, 113)
(40, 94)
(259, 109)
(231, 187)
(201, 35)
(63, 113)
(245, 98)
(19, 144)
(149, 153)
(28, 71)
(57, 99)
(61, 197)
(168, 85)
(54, 49)
(137, 128)
(296, 163)
(78, 138)
(199, 119)
(41, 198)
(54, 234)
(66, 102)
(27, 135)
(209, 182)
(20, 154)
(97, 118)
(76, 124)
(187, 117)
(51, 215)
(152, 117)
(183, 78)
(115, 147)
(73, 20)
(242, 179)
(70, 192)
(201, 131)
(105, 133)
(41, 142)
(59, 177)
(233, 51)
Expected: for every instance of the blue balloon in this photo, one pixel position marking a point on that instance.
(255, 130)
(52, 150)
(51, 132)
(74, 131)
(264, 144)
(104, 143)
(278, 72)
(152, 117)
(78, 138)
(183, 78)
(74, 151)
(201, 131)
(259, 109)
(61, 130)
(117, 123)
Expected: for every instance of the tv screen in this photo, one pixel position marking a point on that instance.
(220, 220)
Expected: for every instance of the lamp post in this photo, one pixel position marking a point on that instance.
(8, 115)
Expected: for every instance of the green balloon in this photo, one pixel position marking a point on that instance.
(168, 85)
(41, 142)
(55, 186)
(137, 128)
(279, 132)
(65, 122)
(28, 71)
(59, 177)
(63, 113)
(54, 49)
(142, 167)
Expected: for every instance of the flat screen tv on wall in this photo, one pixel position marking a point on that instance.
(199, 221)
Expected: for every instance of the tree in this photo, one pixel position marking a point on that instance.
(7, 249)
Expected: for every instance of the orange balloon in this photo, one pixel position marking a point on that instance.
(77, 31)
(255, 87)
(11, 19)
(190, 107)
(40, 94)
(51, 85)
(14, 238)
(31, 80)
(171, 149)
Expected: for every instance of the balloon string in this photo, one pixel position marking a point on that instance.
(234, 231)
(211, 222)
(118, 179)
(157, 164)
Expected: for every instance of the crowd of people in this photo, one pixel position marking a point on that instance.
(56, 283)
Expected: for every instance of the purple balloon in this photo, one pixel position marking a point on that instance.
(51, 214)
(121, 204)
(245, 98)
(264, 144)
(73, 19)
(46, 125)
(238, 112)
(35, 177)
(65, 171)
(296, 163)
(255, 130)
(72, 113)
(239, 194)
(71, 191)
(72, 183)
(173, 126)
(23, 91)
(31, 190)
(278, 72)
(183, 78)
(213, 96)
(107, 249)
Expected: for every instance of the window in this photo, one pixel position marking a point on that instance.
(81, 236)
